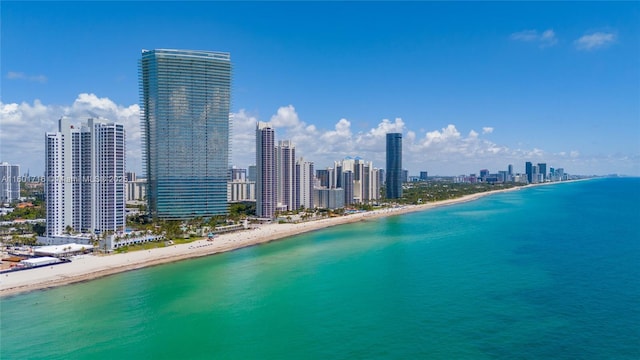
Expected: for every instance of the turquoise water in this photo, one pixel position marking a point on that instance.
(549, 272)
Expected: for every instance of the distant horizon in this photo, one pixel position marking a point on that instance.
(469, 85)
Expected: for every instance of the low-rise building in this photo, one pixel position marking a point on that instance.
(64, 250)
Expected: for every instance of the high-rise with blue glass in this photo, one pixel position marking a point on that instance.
(185, 100)
(394, 166)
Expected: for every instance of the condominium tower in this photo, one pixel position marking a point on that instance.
(542, 170)
(286, 179)
(528, 168)
(265, 171)
(304, 174)
(394, 166)
(185, 100)
(85, 178)
(9, 183)
(358, 178)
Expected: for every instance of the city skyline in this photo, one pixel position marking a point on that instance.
(469, 85)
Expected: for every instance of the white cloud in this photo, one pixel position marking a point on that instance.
(331, 142)
(525, 35)
(386, 126)
(285, 117)
(548, 38)
(595, 41)
(243, 138)
(24, 127)
(411, 136)
(375, 139)
(443, 139)
(13, 75)
(544, 39)
(342, 131)
(445, 151)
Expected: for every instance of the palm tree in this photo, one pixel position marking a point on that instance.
(94, 240)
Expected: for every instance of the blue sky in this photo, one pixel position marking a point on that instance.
(471, 85)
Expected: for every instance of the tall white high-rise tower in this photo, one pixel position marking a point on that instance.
(85, 178)
(286, 180)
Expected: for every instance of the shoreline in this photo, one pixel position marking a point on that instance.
(89, 267)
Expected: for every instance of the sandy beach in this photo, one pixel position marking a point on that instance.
(88, 267)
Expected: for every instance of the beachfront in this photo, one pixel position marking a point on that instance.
(88, 267)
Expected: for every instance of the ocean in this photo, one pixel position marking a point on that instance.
(547, 272)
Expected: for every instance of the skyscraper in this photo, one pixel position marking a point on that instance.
(542, 170)
(237, 174)
(528, 169)
(9, 183)
(363, 183)
(185, 102)
(323, 177)
(265, 171)
(347, 185)
(85, 178)
(304, 172)
(285, 155)
(251, 173)
(394, 166)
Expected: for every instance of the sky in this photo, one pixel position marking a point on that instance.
(470, 85)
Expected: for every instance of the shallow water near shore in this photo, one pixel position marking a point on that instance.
(543, 272)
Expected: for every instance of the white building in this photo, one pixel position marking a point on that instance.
(364, 179)
(9, 183)
(85, 178)
(64, 250)
(286, 180)
(241, 190)
(137, 190)
(304, 187)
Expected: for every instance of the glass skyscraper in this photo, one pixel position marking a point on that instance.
(542, 170)
(394, 166)
(185, 103)
(529, 171)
